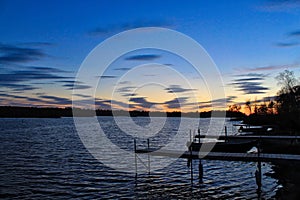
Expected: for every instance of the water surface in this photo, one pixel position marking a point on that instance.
(45, 159)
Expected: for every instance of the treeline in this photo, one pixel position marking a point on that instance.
(283, 111)
(34, 112)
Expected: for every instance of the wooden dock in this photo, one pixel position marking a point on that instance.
(247, 157)
(198, 155)
(250, 137)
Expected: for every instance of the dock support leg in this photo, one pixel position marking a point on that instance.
(135, 158)
(148, 145)
(258, 175)
(226, 139)
(200, 171)
(191, 159)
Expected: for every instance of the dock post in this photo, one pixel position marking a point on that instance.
(190, 135)
(226, 139)
(199, 134)
(200, 171)
(148, 145)
(135, 159)
(194, 135)
(191, 158)
(190, 163)
(258, 175)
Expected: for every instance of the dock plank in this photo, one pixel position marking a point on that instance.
(250, 157)
(250, 137)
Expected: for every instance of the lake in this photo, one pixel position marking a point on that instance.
(46, 159)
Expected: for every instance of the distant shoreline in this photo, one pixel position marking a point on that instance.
(35, 112)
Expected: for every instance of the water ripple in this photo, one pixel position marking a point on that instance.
(45, 159)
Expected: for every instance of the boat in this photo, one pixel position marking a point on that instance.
(223, 146)
(254, 129)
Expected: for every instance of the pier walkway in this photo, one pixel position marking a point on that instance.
(247, 157)
(250, 137)
(198, 155)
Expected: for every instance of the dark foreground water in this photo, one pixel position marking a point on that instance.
(45, 159)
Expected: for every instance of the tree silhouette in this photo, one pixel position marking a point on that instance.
(248, 105)
(288, 96)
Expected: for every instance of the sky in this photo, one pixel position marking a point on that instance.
(44, 43)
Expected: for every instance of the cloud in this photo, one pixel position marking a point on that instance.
(217, 103)
(143, 57)
(294, 33)
(69, 81)
(176, 103)
(177, 89)
(47, 69)
(12, 96)
(17, 87)
(280, 5)
(122, 69)
(110, 104)
(12, 54)
(250, 85)
(23, 79)
(287, 44)
(31, 73)
(262, 100)
(76, 86)
(82, 95)
(18, 76)
(36, 44)
(126, 89)
(250, 79)
(41, 100)
(56, 100)
(107, 77)
(142, 102)
(270, 98)
(271, 67)
(254, 75)
(129, 95)
(124, 82)
(228, 99)
(72, 84)
(114, 28)
(252, 89)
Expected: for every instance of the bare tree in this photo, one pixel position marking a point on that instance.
(287, 81)
(287, 99)
(248, 105)
(235, 108)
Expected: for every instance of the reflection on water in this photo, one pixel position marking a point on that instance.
(44, 158)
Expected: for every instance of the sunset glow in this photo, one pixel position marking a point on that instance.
(249, 41)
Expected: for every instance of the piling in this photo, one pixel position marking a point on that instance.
(226, 138)
(258, 175)
(148, 145)
(200, 171)
(135, 157)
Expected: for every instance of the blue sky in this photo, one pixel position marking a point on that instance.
(44, 43)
